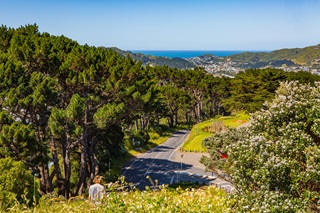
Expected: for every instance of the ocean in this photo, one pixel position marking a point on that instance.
(191, 53)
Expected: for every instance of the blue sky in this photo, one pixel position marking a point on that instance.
(173, 24)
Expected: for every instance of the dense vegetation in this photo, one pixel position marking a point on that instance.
(163, 199)
(175, 62)
(249, 90)
(68, 110)
(11, 188)
(275, 163)
(303, 56)
(207, 128)
(78, 106)
(309, 56)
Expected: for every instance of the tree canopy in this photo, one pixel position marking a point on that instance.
(275, 163)
(65, 107)
(67, 110)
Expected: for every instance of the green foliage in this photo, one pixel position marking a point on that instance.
(72, 103)
(215, 126)
(250, 89)
(18, 141)
(54, 87)
(111, 149)
(209, 199)
(108, 114)
(274, 164)
(157, 61)
(75, 109)
(234, 121)
(302, 77)
(16, 184)
(196, 136)
(189, 200)
(305, 55)
(216, 146)
(200, 131)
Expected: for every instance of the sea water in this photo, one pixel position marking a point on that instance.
(191, 53)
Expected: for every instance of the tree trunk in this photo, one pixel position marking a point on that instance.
(170, 121)
(67, 163)
(176, 117)
(158, 120)
(83, 158)
(45, 182)
(194, 110)
(57, 171)
(187, 118)
(94, 167)
(145, 121)
(199, 110)
(141, 123)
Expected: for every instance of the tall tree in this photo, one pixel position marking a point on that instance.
(250, 89)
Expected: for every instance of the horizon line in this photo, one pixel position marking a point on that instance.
(193, 50)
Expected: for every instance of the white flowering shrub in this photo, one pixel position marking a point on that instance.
(217, 148)
(275, 166)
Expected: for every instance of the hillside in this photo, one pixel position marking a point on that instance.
(302, 56)
(295, 59)
(156, 61)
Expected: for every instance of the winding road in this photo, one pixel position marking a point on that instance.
(166, 164)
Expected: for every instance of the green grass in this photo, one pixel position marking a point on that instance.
(196, 136)
(194, 142)
(155, 140)
(235, 121)
(165, 199)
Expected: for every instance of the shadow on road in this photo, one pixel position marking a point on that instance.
(160, 149)
(164, 171)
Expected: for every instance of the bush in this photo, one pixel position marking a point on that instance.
(275, 164)
(215, 126)
(157, 129)
(208, 199)
(140, 138)
(16, 183)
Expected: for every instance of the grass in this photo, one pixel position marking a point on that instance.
(155, 140)
(192, 144)
(196, 136)
(164, 199)
(197, 133)
(184, 198)
(235, 121)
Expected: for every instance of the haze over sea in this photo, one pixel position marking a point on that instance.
(192, 53)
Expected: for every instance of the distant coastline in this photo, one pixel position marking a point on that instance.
(192, 53)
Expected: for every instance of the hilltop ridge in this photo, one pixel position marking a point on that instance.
(302, 56)
(175, 62)
(294, 59)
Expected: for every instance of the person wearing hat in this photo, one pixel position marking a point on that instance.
(96, 191)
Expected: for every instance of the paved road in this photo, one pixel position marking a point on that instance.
(167, 165)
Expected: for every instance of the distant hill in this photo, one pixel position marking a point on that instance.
(179, 63)
(294, 58)
(302, 56)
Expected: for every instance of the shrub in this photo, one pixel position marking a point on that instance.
(140, 138)
(16, 183)
(216, 126)
(275, 164)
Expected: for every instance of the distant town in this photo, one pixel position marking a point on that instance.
(221, 66)
(290, 60)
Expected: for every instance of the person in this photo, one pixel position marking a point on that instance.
(96, 191)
